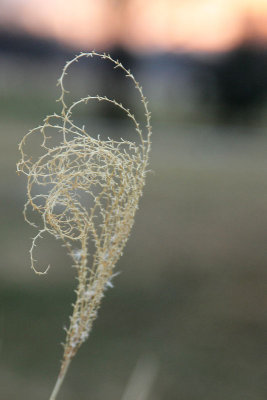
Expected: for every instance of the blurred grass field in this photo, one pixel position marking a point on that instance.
(191, 288)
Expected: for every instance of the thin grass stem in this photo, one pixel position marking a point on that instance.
(60, 379)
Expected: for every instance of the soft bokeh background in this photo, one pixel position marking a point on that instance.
(190, 295)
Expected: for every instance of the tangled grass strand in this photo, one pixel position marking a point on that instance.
(85, 190)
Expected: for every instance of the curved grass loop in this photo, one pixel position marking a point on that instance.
(85, 190)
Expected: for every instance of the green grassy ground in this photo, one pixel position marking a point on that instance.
(191, 291)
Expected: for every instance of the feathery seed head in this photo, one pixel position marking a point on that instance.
(87, 190)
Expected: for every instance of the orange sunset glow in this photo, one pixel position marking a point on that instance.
(206, 25)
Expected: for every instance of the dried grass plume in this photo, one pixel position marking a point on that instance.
(85, 190)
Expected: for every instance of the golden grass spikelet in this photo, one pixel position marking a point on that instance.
(85, 190)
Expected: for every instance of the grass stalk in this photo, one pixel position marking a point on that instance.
(60, 379)
(74, 169)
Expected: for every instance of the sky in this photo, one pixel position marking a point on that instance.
(170, 25)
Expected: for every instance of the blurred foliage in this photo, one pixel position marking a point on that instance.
(191, 290)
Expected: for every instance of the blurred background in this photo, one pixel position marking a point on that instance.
(190, 294)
